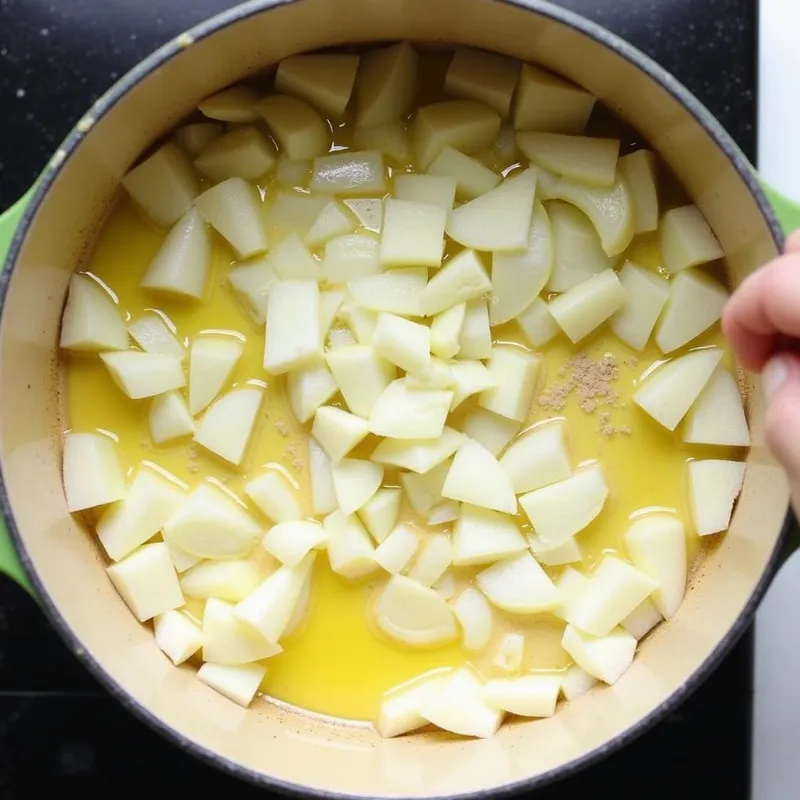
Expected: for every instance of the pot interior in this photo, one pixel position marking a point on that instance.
(265, 740)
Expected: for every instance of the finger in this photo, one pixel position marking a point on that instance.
(792, 243)
(781, 380)
(765, 307)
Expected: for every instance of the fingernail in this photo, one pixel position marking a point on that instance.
(773, 375)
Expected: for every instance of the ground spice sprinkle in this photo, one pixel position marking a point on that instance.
(588, 379)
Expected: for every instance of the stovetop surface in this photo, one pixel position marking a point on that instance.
(58, 728)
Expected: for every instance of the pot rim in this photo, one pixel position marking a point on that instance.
(102, 106)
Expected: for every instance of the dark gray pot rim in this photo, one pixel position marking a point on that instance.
(117, 92)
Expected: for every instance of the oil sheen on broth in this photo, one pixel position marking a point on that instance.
(336, 663)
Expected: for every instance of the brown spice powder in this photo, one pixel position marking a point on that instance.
(588, 379)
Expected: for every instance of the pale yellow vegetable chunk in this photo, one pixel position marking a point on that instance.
(462, 278)
(686, 240)
(545, 102)
(91, 321)
(241, 153)
(486, 77)
(349, 173)
(294, 340)
(300, 131)
(437, 190)
(227, 427)
(386, 84)
(476, 477)
(91, 470)
(323, 79)
(639, 170)
(412, 234)
(647, 294)
(234, 104)
(471, 176)
(714, 485)
(516, 372)
(588, 159)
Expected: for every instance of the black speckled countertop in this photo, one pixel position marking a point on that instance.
(58, 730)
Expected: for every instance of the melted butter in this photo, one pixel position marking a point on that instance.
(335, 663)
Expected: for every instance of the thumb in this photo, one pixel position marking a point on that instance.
(781, 380)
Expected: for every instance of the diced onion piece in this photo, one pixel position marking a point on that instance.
(164, 184)
(92, 471)
(300, 131)
(91, 321)
(323, 79)
(233, 209)
(147, 582)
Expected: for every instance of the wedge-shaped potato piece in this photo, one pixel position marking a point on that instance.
(355, 481)
(292, 212)
(417, 455)
(463, 124)
(197, 136)
(398, 291)
(647, 293)
(251, 284)
(386, 84)
(474, 614)
(642, 620)
(323, 496)
(292, 260)
(438, 375)
(445, 331)
(639, 170)
(475, 338)
(519, 585)
(462, 278)
(554, 556)
(576, 682)
(403, 413)
(498, 220)
(518, 278)
(656, 544)
(169, 418)
(177, 636)
(406, 344)
(469, 378)
(294, 339)
(91, 321)
(414, 614)
(237, 683)
(606, 658)
(613, 592)
(351, 552)
(714, 485)
(717, 417)
(147, 582)
(227, 427)
(323, 79)
(610, 210)
(144, 374)
(492, 431)
(212, 524)
(243, 152)
(570, 584)
(150, 501)
(300, 131)
(228, 640)
(396, 551)
(458, 706)
(308, 389)
(537, 323)
(155, 335)
(412, 234)
(425, 491)
(338, 431)
(668, 393)
(351, 256)
(399, 709)
(587, 159)
(695, 304)
(233, 209)
(379, 514)
(588, 305)
(526, 695)
(545, 102)
(330, 302)
(486, 77)
(92, 471)
(275, 495)
(234, 104)
(291, 541)
(436, 190)
(163, 185)
(350, 173)
(482, 536)
(559, 511)
(362, 375)
(686, 240)
(231, 581)
(334, 220)
(577, 252)
(180, 266)
(476, 477)
(471, 176)
(436, 555)
(391, 139)
(538, 458)
(446, 586)
(269, 608)
(517, 373)
(211, 363)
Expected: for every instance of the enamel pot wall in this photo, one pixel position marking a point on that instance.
(48, 235)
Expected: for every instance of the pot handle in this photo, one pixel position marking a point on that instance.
(9, 560)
